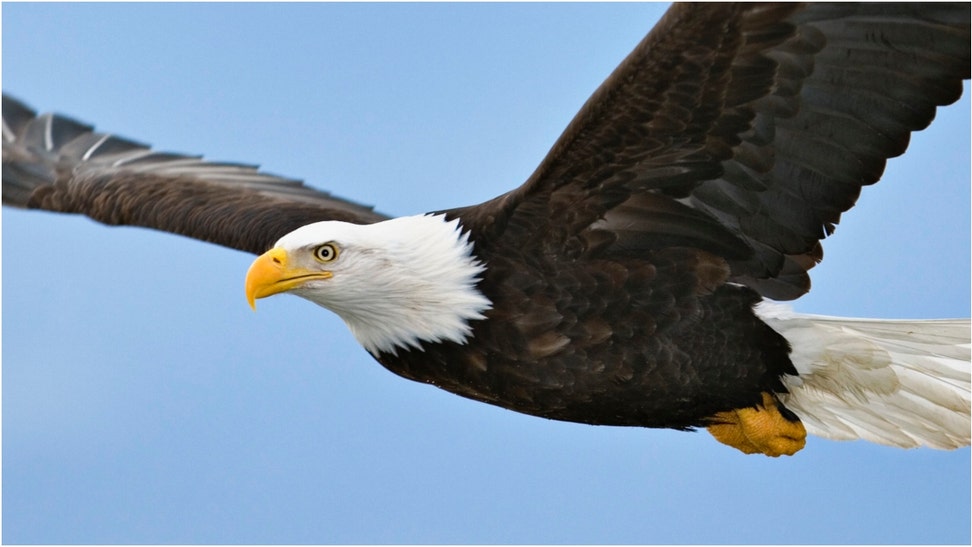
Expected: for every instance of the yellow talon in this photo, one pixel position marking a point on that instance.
(759, 430)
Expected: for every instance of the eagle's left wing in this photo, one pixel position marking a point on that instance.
(58, 164)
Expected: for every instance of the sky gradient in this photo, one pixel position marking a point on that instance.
(144, 402)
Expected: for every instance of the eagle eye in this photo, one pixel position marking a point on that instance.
(326, 252)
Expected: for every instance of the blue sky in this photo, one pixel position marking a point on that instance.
(144, 402)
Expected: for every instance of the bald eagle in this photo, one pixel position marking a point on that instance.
(630, 280)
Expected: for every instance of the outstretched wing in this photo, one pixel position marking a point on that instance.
(55, 163)
(745, 130)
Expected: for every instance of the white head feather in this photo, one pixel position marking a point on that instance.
(396, 283)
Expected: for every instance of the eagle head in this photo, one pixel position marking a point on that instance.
(397, 284)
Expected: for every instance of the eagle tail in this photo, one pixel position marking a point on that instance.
(900, 383)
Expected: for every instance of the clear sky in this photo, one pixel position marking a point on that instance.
(144, 402)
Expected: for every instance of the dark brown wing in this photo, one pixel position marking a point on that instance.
(55, 163)
(744, 130)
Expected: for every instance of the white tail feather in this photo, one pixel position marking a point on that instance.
(899, 383)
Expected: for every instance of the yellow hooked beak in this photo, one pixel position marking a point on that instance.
(269, 274)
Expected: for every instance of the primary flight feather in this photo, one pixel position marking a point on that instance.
(625, 282)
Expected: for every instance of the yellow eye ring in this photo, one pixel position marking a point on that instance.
(326, 252)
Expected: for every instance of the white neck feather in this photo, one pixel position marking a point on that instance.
(400, 282)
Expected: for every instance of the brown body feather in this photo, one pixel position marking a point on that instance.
(658, 341)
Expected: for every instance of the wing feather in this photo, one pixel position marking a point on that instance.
(768, 119)
(58, 164)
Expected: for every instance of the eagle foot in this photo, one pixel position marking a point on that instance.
(762, 429)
